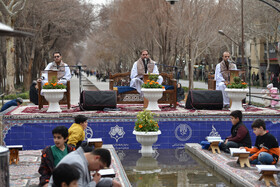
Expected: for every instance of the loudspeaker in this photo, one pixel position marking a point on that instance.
(205, 99)
(97, 100)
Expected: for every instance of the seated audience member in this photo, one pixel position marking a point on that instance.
(14, 102)
(87, 162)
(222, 76)
(63, 69)
(33, 93)
(65, 175)
(240, 136)
(266, 150)
(273, 93)
(180, 93)
(265, 93)
(143, 65)
(51, 155)
(77, 131)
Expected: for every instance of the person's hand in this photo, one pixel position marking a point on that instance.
(226, 141)
(226, 82)
(96, 177)
(46, 185)
(116, 183)
(39, 80)
(241, 147)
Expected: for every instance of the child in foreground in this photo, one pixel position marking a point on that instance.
(266, 150)
(65, 175)
(51, 155)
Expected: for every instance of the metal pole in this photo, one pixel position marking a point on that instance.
(242, 35)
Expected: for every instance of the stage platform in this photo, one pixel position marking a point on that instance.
(227, 166)
(31, 127)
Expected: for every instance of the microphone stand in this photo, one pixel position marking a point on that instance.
(80, 74)
(250, 69)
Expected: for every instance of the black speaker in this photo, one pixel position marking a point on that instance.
(205, 100)
(97, 100)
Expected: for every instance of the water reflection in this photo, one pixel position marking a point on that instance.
(166, 167)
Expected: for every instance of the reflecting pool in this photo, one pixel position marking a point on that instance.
(167, 167)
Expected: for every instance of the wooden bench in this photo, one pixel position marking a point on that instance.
(122, 80)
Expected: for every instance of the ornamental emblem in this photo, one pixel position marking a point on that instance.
(183, 132)
(88, 133)
(116, 132)
(214, 132)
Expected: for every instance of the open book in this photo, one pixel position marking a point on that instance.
(93, 140)
(267, 168)
(107, 173)
(214, 139)
(237, 151)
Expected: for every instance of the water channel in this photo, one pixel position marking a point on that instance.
(168, 167)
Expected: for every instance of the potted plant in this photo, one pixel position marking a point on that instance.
(152, 91)
(146, 130)
(237, 92)
(53, 93)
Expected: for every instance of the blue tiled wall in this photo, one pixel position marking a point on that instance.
(175, 132)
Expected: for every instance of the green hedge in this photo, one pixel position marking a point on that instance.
(24, 95)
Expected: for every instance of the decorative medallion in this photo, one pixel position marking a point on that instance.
(183, 132)
(117, 132)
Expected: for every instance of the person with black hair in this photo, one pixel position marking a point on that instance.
(14, 102)
(77, 131)
(51, 155)
(266, 149)
(33, 93)
(180, 93)
(65, 175)
(85, 162)
(240, 136)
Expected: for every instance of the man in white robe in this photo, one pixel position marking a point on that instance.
(63, 70)
(222, 76)
(143, 65)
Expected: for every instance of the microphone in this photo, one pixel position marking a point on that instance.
(146, 68)
(145, 59)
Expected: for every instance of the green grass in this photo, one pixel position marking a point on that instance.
(24, 95)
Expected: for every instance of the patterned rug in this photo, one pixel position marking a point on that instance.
(227, 166)
(132, 109)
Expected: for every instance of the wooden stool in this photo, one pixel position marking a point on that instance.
(14, 156)
(96, 142)
(243, 159)
(268, 176)
(214, 146)
(267, 172)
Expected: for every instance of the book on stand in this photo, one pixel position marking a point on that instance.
(262, 168)
(214, 139)
(237, 151)
(107, 173)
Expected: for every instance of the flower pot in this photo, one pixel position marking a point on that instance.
(236, 96)
(146, 139)
(147, 165)
(153, 95)
(53, 96)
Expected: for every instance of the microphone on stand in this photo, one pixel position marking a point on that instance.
(146, 68)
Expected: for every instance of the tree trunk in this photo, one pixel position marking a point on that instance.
(10, 65)
(258, 62)
(268, 61)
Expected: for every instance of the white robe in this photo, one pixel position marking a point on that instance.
(63, 80)
(136, 81)
(220, 83)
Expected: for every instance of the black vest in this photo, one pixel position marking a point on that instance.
(246, 142)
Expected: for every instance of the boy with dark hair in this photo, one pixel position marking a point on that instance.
(240, 136)
(77, 131)
(85, 162)
(65, 175)
(266, 149)
(51, 155)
